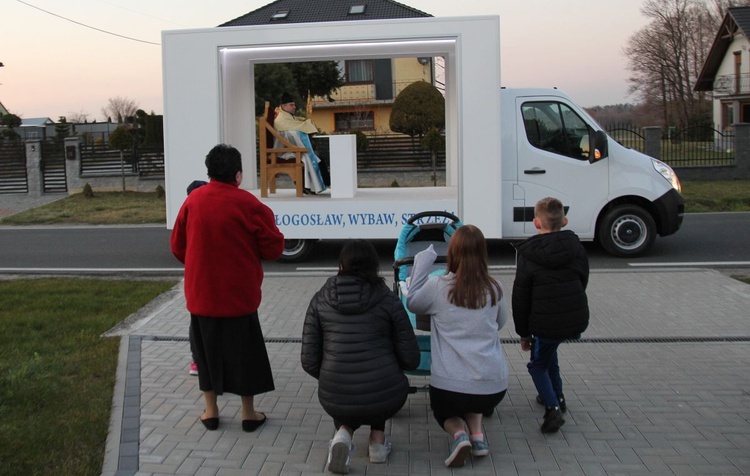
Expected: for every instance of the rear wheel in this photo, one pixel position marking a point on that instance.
(296, 250)
(627, 230)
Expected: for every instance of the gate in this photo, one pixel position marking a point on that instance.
(54, 177)
(627, 135)
(701, 145)
(13, 177)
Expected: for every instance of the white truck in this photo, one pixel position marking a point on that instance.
(505, 148)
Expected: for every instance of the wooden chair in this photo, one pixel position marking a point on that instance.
(271, 164)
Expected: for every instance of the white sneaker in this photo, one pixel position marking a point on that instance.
(340, 452)
(379, 453)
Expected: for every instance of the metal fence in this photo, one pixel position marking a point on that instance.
(694, 146)
(97, 159)
(627, 135)
(700, 145)
(54, 177)
(13, 177)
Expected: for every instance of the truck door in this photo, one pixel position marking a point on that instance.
(553, 161)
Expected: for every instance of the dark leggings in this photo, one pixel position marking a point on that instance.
(374, 424)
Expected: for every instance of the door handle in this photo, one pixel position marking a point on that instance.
(535, 171)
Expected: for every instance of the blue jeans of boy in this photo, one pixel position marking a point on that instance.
(544, 369)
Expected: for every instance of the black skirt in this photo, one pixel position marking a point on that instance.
(231, 355)
(446, 404)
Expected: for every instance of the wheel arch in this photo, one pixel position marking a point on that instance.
(639, 201)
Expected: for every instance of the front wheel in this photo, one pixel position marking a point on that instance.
(627, 231)
(296, 250)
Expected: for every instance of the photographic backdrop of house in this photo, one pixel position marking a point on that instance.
(365, 101)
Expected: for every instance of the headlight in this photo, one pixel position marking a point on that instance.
(667, 172)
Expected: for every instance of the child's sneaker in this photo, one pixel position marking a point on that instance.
(560, 401)
(340, 452)
(379, 453)
(553, 420)
(193, 369)
(479, 447)
(460, 449)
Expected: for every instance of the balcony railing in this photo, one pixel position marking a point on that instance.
(732, 84)
(359, 93)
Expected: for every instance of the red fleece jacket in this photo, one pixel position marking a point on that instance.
(221, 235)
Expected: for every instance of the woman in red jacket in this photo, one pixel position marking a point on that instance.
(221, 235)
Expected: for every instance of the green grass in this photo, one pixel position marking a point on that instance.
(104, 208)
(57, 374)
(716, 196)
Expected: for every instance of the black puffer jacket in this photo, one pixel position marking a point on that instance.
(549, 292)
(357, 341)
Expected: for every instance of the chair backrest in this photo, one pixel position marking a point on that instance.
(270, 115)
(273, 144)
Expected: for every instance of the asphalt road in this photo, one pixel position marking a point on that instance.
(715, 240)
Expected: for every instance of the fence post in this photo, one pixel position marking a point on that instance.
(742, 150)
(73, 164)
(652, 141)
(34, 167)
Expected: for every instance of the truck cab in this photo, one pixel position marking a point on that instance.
(612, 194)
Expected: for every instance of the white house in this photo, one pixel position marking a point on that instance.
(726, 71)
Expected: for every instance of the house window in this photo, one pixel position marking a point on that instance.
(359, 71)
(727, 115)
(356, 10)
(280, 15)
(355, 121)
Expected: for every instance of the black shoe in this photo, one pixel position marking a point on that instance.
(252, 425)
(307, 191)
(553, 420)
(560, 402)
(211, 424)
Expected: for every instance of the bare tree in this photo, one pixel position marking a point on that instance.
(718, 8)
(119, 108)
(78, 117)
(666, 56)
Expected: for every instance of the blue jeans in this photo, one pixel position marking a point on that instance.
(544, 369)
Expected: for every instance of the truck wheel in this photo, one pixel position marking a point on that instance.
(627, 230)
(296, 250)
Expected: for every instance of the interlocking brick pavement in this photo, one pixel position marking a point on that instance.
(677, 406)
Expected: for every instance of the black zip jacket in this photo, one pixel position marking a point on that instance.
(549, 291)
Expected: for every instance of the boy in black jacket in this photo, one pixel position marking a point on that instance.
(549, 302)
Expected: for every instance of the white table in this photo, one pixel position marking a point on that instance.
(343, 166)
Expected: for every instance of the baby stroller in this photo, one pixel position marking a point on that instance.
(422, 230)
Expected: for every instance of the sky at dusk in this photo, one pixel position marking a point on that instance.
(54, 67)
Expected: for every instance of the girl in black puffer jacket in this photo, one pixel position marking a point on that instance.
(357, 341)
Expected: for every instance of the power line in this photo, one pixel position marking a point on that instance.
(141, 13)
(87, 26)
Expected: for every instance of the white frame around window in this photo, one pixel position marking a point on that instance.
(212, 71)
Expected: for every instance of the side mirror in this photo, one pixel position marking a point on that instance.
(600, 149)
